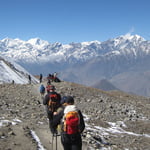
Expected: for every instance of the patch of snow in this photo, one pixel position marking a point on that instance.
(114, 129)
(40, 146)
(6, 122)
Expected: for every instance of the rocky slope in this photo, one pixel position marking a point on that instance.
(114, 120)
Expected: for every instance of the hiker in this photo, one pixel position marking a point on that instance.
(13, 82)
(49, 77)
(48, 86)
(29, 77)
(52, 102)
(42, 90)
(55, 78)
(60, 109)
(52, 77)
(72, 125)
(41, 77)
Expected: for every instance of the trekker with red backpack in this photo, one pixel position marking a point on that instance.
(72, 125)
(52, 102)
(48, 86)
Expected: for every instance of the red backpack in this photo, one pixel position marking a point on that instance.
(48, 88)
(54, 101)
(71, 122)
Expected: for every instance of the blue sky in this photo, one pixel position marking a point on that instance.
(67, 21)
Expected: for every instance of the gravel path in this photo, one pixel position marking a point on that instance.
(22, 105)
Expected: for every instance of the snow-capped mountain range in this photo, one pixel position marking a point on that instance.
(36, 49)
(123, 61)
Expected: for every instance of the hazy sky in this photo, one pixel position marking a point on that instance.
(68, 21)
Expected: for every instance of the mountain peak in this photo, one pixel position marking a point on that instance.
(91, 42)
(37, 41)
(128, 36)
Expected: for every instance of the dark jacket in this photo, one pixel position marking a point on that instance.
(46, 101)
(69, 141)
(57, 120)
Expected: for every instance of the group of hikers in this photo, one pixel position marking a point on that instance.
(51, 78)
(65, 119)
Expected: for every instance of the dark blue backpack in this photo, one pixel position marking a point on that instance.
(42, 89)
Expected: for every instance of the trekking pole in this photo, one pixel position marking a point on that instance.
(52, 141)
(56, 141)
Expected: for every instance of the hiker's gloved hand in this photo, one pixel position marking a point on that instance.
(55, 113)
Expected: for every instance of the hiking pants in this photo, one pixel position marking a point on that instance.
(71, 142)
(50, 118)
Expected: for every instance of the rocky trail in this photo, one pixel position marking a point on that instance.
(114, 120)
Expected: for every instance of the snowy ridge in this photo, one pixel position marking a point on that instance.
(36, 49)
(10, 71)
